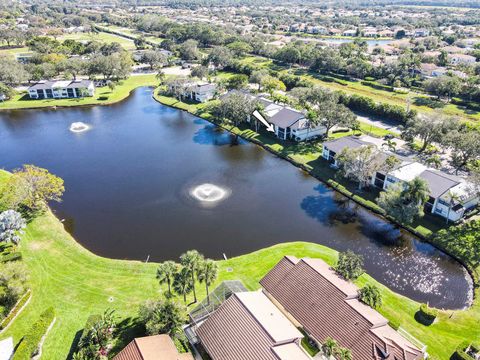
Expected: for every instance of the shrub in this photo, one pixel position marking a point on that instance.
(11, 257)
(370, 295)
(23, 300)
(426, 315)
(29, 345)
(377, 86)
(350, 265)
(395, 324)
(460, 352)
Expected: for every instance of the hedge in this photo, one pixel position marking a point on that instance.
(426, 314)
(394, 324)
(29, 345)
(11, 257)
(378, 86)
(23, 300)
(92, 319)
(460, 353)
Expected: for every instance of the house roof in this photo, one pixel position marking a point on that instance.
(6, 348)
(339, 144)
(304, 288)
(152, 348)
(247, 326)
(438, 183)
(286, 117)
(50, 84)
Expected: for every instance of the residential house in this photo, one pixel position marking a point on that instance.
(449, 196)
(350, 32)
(249, 326)
(157, 347)
(421, 33)
(315, 298)
(291, 124)
(431, 70)
(456, 59)
(59, 89)
(199, 91)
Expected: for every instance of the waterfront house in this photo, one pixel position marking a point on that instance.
(450, 197)
(197, 91)
(152, 348)
(324, 305)
(60, 89)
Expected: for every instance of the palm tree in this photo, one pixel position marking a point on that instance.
(417, 191)
(343, 354)
(207, 272)
(453, 198)
(182, 283)
(390, 145)
(160, 76)
(329, 346)
(165, 274)
(190, 261)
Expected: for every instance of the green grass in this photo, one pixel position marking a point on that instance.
(78, 283)
(13, 51)
(127, 44)
(103, 96)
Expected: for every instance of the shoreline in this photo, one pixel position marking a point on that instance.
(338, 189)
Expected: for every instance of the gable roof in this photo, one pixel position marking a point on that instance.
(152, 348)
(248, 326)
(286, 117)
(438, 183)
(310, 292)
(350, 142)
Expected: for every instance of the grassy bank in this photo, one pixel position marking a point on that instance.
(78, 283)
(103, 96)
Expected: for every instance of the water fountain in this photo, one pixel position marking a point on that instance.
(78, 127)
(209, 194)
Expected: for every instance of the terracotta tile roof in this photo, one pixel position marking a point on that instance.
(239, 330)
(311, 292)
(152, 348)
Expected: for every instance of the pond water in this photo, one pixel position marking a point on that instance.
(372, 42)
(148, 180)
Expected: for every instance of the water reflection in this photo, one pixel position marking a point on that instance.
(210, 134)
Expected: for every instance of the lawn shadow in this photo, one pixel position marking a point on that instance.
(74, 345)
(127, 330)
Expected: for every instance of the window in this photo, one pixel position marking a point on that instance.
(392, 180)
(48, 93)
(443, 202)
(281, 133)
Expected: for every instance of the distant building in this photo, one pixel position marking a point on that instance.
(351, 32)
(421, 33)
(60, 89)
(157, 347)
(456, 59)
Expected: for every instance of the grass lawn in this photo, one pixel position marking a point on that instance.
(13, 51)
(127, 44)
(103, 96)
(78, 283)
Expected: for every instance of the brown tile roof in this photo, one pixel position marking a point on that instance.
(152, 348)
(323, 304)
(248, 326)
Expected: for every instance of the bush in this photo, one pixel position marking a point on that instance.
(377, 86)
(426, 315)
(29, 345)
(23, 300)
(350, 265)
(371, 295)
(395, 324)
(11, 257)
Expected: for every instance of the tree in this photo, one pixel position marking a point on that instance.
(370, 295)
(156, 59)
(405, 202)
(270, 84)
(6, 92)
(360, 164)
(329, 347)
(430, 129)
(288, 54)
(200, 72)
(182, 283)
(207, 272)
(162, 317)
(74, 67)
(237, 81)
(191, 261)
(257, 76)
(13, 279)
(12, 72)
(166, 273)
(465, 147)
(239, 48)
(443, 86)
(160, 76)
(11, 226)
(32, 187)
(220, 56)
(177, 86)
(189, 50)
(96, 341)
(349, 265)
(117, 65)
(235, 107)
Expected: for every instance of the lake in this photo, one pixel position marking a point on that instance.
(135, 188)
